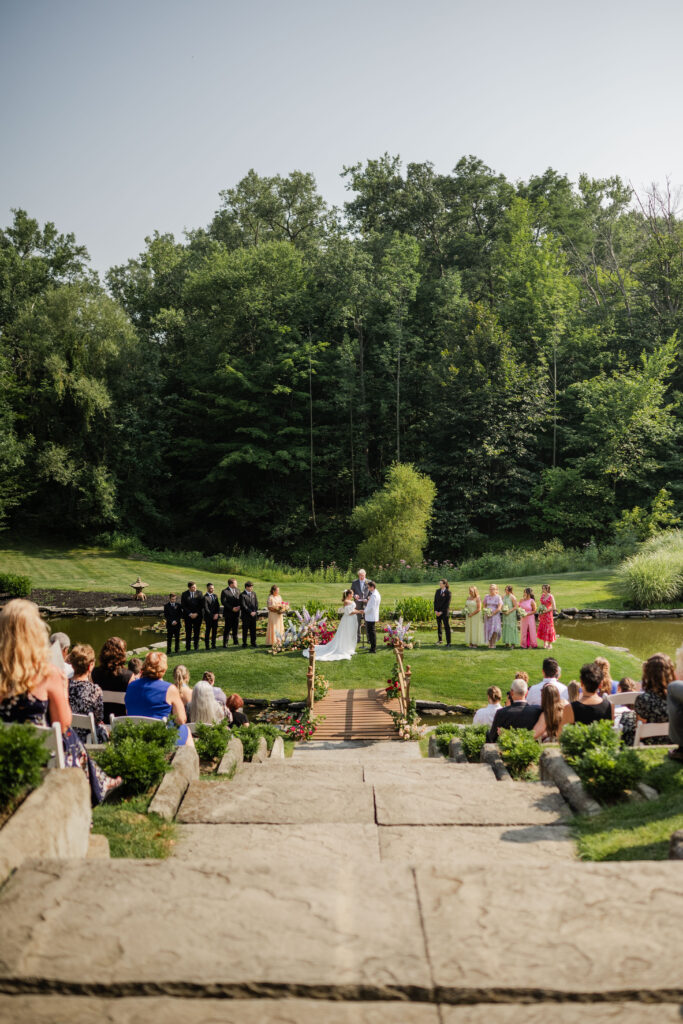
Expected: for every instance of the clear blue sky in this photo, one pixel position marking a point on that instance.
(119, 117)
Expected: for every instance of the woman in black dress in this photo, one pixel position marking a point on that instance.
(111, 673)
(591, 706)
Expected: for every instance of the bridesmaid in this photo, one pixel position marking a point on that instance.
(474, 620)
(528, 608)
(546, 622)
(492, 609)
(510, 629)
(276, 622)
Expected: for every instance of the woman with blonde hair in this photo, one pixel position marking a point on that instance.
(474, 619)
(607, 684)
(32, 689)
(152, 697)
(181, 677)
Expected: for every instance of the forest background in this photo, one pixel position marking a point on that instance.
(249, 385)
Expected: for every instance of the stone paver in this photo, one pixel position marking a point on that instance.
(553, 931)
(200, 926)
(563, 1013)
(254, 845)
(429, 771)
(350, 751)
(452, 845)
(461, 801)
(82, 1010)
(258, 801)
(287, 769)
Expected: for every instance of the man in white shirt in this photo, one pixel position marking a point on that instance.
(485, 716)
(372, 615)
(551, 677)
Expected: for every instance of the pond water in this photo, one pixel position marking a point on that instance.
(84, 629)
(643, 637)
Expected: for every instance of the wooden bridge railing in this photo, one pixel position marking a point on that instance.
(403, 673)
(310, 673)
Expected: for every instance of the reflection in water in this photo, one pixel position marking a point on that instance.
(642, 636)
(82, 629)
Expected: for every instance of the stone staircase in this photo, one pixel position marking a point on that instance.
(354, 882)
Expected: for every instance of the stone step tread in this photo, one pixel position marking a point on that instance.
(454, 845)
(274, 800)
(257, 846)
(46, 1009)
(469, 802)
(345, 935)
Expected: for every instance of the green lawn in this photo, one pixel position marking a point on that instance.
(131, 831)
(62, 568)
(457, 676)
(637, 831)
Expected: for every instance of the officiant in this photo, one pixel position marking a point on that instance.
(360, 594)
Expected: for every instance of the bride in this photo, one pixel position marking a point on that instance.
(342, 646)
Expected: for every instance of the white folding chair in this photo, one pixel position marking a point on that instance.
(623, 698)
(114, 719)
(114, 697)
(646, 729)
(85, 722)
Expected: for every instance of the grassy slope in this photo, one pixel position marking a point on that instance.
(457, 676)
(637, 831)
(131, 831)
(61, 568)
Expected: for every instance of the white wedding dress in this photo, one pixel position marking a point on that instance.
(342, 646)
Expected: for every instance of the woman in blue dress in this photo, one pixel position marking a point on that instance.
(153, 697)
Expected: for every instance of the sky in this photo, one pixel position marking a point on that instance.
(121, 117)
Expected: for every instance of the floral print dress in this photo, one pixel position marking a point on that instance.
(652, 708)
(546, 621)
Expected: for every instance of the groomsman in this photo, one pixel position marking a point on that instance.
(193, 608)
(230, 599)
(360, 593)
(372, 615)
(442, 607)
(249, 608)
(212, 612)
(173, 616)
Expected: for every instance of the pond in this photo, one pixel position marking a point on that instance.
(643, 637)
(84, 629)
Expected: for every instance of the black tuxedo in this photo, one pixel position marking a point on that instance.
(211, 608)
(248, 604)
(230, 598)
(442, 603)
(360, 594)
(192, 603)
(519, 715)
(173, 613)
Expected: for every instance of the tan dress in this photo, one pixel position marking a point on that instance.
(276, 622)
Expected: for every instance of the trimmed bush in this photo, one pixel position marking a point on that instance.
(15, 586)
(139, 753)
(473, 739)
(577, 739)
(251, 734)
(519, 751)
(414, 609)
(443, 734)
(158, 734)
(211, 741)
(607, 773)
(23, 755)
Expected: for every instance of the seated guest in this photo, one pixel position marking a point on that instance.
(135, 666)
(32, 689)
(591, 707)
(484, 716)
(519, 715)
(204, 707)
(181, 677)
(111, 673)
(651, 702)
(546, 728)
(624, 685)
(522, 675)
(153, 697)
(59, 648)
(674, 700)
(235, 706)
(84, 695)
(551, 677)
(219, 695)
(573, 690)
(607, 684)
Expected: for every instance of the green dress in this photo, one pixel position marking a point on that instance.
(510, 625)
(474, 625)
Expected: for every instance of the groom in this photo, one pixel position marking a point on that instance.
(360, 593)
(372, 615)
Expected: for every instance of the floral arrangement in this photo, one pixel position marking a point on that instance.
(325, 635)
(299, 631)
(301, 728)
(320, 687)
(399, 634)
(408, 726)
(393, 688)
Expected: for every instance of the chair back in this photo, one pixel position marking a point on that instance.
(646, 729)
(85, 722)
(52, 737)
(114, 697)
(113, 719)
(623, 698)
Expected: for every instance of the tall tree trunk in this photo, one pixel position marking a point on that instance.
(310, 427)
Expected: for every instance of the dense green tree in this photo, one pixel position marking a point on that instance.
(394, 520)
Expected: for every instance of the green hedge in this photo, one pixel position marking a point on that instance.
(15, 586)
(139, 753)
(23, 755)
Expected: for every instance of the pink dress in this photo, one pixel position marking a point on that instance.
(546, 624)
(527, 633)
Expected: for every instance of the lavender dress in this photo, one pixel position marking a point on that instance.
(493, 625)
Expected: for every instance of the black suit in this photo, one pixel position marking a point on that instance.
(211, 608)
(248, 604)
(192, 602)
(172, 613)
(230, 598)
(519, 715)
(442, 603)
(361, 594)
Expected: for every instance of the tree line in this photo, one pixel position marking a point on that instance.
(251, 384)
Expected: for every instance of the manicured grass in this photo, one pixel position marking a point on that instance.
(457, 676)
(637, 831)
(62, 568)
(131, 831)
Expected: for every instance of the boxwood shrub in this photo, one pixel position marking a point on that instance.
(519, 751)
(15, 586)
(140, 753)
(23, 755)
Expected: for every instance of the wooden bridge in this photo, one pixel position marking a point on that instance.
(356, 715)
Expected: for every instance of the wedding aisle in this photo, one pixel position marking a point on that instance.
(356, 715)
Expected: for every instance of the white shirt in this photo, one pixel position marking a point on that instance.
(372, 607)
(485, 716)
(534, 694)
